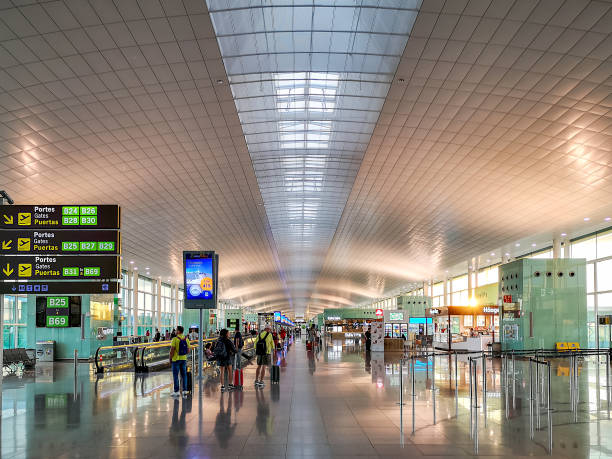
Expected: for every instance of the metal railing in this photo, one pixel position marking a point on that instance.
(143, 357)
(540, 398)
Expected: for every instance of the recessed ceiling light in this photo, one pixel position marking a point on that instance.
(135, 268)
(507, 254)
(563, 234)
(586, 219)
(492, 254)
(517, 245)
(533, 245)
(131, 262)
(608, 219)
(488, 261)
(219, 81)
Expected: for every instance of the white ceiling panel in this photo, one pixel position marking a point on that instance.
(330, 150)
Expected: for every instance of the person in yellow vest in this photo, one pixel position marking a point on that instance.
(179, 349)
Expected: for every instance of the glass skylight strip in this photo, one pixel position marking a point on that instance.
(309, 81)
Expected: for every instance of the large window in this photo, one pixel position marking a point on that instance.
(459, 291)
(126, 314)
(597, 249)
(14, 321)
(147, 305)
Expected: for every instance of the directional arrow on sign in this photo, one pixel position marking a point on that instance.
(8, 220)
(8, 270)
(6, 245)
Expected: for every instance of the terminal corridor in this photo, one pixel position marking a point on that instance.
(335, 402)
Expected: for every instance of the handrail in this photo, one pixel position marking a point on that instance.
(248, 345)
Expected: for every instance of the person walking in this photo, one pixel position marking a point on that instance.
(264, 345)
(179, 349)
(224, 352)
(368, 339)
(157, 336)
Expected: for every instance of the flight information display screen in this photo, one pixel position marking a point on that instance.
(58, 311)
(199, 278)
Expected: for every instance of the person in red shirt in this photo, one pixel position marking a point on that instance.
(283, 333)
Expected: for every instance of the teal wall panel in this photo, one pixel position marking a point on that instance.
(552, 293)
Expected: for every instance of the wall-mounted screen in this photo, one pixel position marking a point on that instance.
(58, 311)
(200, 275)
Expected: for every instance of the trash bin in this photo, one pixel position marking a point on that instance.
(45, 351)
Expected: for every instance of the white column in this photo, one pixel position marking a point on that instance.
(175, 296)
(556, 247)
(475, 267)
(445, 302)
(566, 248)
(469, 275)
(159, 302)
(135, 306)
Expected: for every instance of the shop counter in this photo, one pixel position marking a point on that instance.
(394, 344)
(476, 344)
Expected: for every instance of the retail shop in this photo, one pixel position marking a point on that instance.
(350, 323)
(464, 328)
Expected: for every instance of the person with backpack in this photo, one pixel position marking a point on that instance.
(264, 345)
(179, 349)
(224, 352)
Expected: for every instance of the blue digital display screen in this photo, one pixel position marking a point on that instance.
(277, 316)
(199, 278)
(420, 320)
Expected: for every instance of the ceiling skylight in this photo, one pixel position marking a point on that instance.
(309, 82)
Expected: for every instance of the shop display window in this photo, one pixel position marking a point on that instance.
(480, 321)
(468, 321)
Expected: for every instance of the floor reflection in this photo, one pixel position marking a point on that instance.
(336, 399)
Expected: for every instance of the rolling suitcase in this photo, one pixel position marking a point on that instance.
(309, 345)
(189, 382)
(238, 379)
(275, 374)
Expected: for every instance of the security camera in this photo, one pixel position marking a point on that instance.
(4, 195)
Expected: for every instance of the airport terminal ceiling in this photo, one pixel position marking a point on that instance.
(329, 151)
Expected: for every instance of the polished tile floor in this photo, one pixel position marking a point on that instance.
(338, 402)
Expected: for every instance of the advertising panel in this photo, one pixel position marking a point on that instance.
(200, 279)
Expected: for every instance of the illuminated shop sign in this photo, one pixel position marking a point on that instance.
(490, 310)
(379, 312)
(334, 318)
(396, 316)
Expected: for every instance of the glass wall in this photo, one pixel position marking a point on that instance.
(126, 314)
(14, 321)
(147, 313)
(459, 291)
(147, 305)
(597, 249)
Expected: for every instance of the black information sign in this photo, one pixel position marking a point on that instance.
(65, 242)
(58, 288)
(55, 216)
(45, 267)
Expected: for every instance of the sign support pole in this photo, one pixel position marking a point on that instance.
(200, 347)
(1, 330)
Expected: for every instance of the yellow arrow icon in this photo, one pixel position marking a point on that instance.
(8, 220)
(6, 245)
(8, 270)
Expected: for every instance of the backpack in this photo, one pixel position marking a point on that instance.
(261, 348)
(220, 350)
(183, 349)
